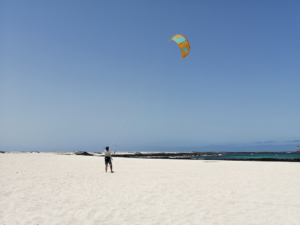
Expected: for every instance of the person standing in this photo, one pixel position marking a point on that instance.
(108, 159)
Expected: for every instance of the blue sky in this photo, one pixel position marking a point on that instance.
(72, 75)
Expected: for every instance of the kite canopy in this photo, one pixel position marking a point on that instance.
(182, 43)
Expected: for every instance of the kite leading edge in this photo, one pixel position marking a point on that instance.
(182, 43)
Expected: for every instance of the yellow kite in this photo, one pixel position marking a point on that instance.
(182, 43)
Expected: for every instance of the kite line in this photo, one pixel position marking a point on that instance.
(114, 142)
(184, 46)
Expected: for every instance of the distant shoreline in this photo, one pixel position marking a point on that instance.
(222, 156)
(197, 156)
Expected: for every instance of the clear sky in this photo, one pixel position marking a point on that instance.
(72, 74)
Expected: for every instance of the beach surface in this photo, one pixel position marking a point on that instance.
(50, 188)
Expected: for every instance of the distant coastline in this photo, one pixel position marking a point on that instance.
(232, 156)
(228, 156)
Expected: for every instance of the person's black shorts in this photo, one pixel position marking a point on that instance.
(107, 160)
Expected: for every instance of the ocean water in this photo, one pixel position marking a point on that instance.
(255, 156)
(249, 156)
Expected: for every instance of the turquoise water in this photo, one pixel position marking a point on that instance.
(255, 156)
(250, 155)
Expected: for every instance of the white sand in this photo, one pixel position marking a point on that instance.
(44, 188)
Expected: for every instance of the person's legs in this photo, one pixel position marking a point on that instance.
(105, 167)
(111, 167)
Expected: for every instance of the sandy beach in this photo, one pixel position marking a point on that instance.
(47, 188)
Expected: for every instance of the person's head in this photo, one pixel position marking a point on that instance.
(107, 148)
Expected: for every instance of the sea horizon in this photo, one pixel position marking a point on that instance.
(206, 148)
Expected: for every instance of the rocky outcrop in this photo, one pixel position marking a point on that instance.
(83, 153)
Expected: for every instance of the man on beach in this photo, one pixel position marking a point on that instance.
(108, 159)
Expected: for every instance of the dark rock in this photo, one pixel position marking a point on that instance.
(82, 153)
(2, 152)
